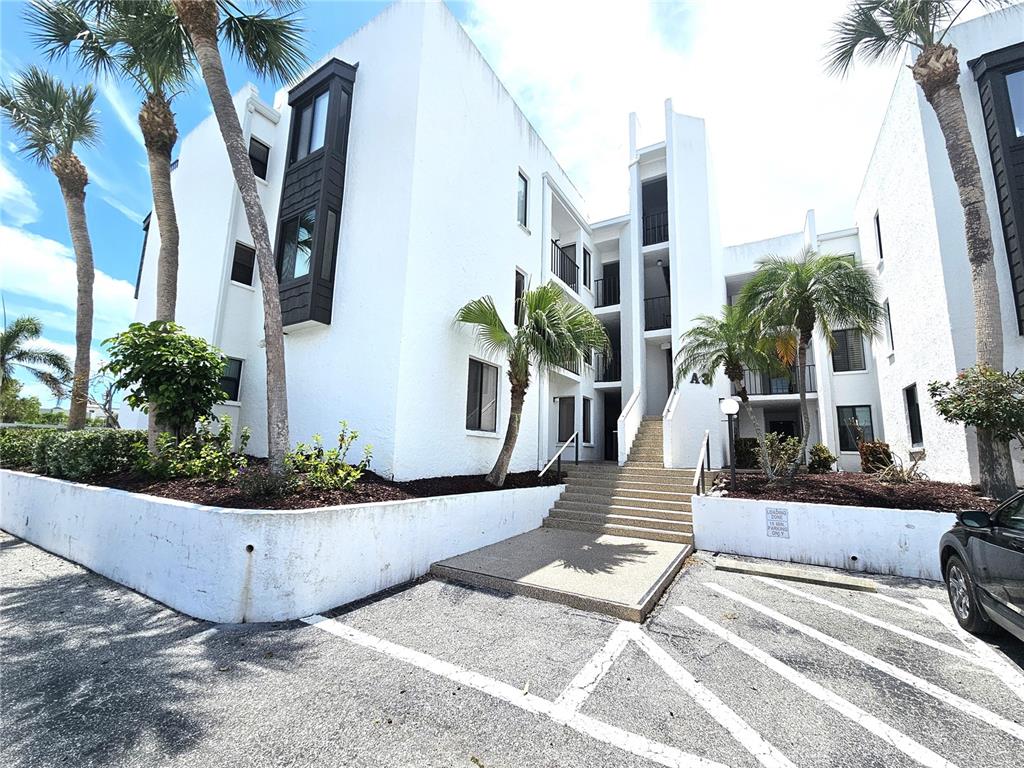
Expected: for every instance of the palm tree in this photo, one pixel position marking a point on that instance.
(50, 119)
(551, 331)
(272, 46)
(48, 366)
(788, 299)
(730, 343)
(878, 30)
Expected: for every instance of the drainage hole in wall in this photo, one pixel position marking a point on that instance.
(250, 548)
(853, 558)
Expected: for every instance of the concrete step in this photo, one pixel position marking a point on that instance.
(611, 518)
(647, 455)
(658, 470)
(666, 515)
(630, 531)
(676, 484)
(666, 491)
(625, 499)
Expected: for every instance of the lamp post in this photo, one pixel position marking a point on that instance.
(730, 408)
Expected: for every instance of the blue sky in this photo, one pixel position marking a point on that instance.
(784, 137)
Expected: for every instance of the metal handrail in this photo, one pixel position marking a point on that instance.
(558, 456)
(703, 459)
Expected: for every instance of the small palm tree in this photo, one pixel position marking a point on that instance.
(272, 46)
(788, 299)
(551, 331)
(48, 366)
(879, 30)
(50, 118)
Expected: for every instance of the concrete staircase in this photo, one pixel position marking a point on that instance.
(642, 499)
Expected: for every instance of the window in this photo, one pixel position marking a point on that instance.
(878, 236)
(520, 290)
(330, 246)
(232, 377)
(854, 425)
(312, 127)
(259, 156)
(888, 326)
(587, 436)
(297, 246)
(241, 267)
(522, 199)
(1015, 88)
(913, 415)
(1012, 515)
(586, 267)
(482, 397)
(848, 352)
(566, 418)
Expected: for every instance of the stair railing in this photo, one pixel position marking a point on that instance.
(703, 462)
(575, 439)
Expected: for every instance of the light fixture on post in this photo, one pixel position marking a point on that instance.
(730, 408)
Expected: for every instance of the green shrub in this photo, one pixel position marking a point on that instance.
(822, 460)
(326, 469)
(259, 481)
(874, 456)
(782, 452)
(983, 397)
(205, 453)
(746, 452)
(86, 454)
(18, 446)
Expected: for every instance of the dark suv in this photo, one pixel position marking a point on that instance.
(983, 561)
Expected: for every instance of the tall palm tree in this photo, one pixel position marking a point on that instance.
(731, 343)
(48, 366)
(50, 118)
(879, 30)
(551, 331)
(788, 299)
(272, 46)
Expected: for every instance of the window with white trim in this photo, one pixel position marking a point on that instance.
(482, 397)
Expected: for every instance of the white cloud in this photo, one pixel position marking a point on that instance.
(126, 114)
(117, 205)
(785, 137)
(16, 201)
(39, 268)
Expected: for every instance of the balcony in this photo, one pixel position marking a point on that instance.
(655, 227)
(657, 313)
(606, 291)
(608, 368)
(761, 383)
(565, 267)
(572, 367)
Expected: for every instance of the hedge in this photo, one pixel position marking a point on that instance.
(71, 455)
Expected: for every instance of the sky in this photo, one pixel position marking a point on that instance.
(784, 136)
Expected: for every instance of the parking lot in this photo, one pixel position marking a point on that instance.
(731, 670)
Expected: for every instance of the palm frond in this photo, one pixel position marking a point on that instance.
(48, 116)
(492, 335)
(272, 46)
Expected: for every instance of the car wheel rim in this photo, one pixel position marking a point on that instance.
(959, 595)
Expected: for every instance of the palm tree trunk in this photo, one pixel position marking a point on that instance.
(936, 70)
(801, 387)
(72, 176)
(762, 449)
(496, 476)
(200, 18)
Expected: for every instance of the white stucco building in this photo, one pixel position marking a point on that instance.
(400, 180)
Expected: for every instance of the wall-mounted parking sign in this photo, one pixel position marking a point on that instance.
(777, 521)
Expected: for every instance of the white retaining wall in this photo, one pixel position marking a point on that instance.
(229, 565)
(898, 542)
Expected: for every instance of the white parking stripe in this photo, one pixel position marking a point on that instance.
(901, 603)
(900, 741)
(947, 697)
(1009, 676)
(625, 740)
(587, 679)
(762, 750)
(958, 652)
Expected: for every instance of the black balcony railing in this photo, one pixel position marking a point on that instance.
(608, 368)
(572, 367)
(655, 227)
(565, 266)
(761, 383)
(657, 313)
(606, 290)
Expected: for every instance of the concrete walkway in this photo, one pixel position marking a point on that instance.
(615, 575)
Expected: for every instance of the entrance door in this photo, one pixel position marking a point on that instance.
(612, 410)
(785, 427)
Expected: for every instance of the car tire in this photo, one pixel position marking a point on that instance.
(963, 598)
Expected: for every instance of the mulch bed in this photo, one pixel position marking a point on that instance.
(370, 488)
(862, 490)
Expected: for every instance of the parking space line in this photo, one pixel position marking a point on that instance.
(901, 603)
(947, 697)
(958, 652)
(587, 679)
(627, 741)
(890, 735)
(762, 750)
(1009, 677)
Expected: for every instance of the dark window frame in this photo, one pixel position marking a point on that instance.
(517, 297)
(913, 407)
(562, 435)
(232, 384)
(302, 131)
(847, 432)
(282, 243)
(878, 235)
(888, 326)
(588, 414)
(247, 265)
(843, 350)
(475, 421)
(523, 216)
(587, 267)
(257, 164)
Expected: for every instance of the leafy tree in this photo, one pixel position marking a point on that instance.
(15, 409)
(788, 299)
(551, 331)
(879, 30)
(179, 374)
(50, 118)
(272, 46)
(48, 366)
